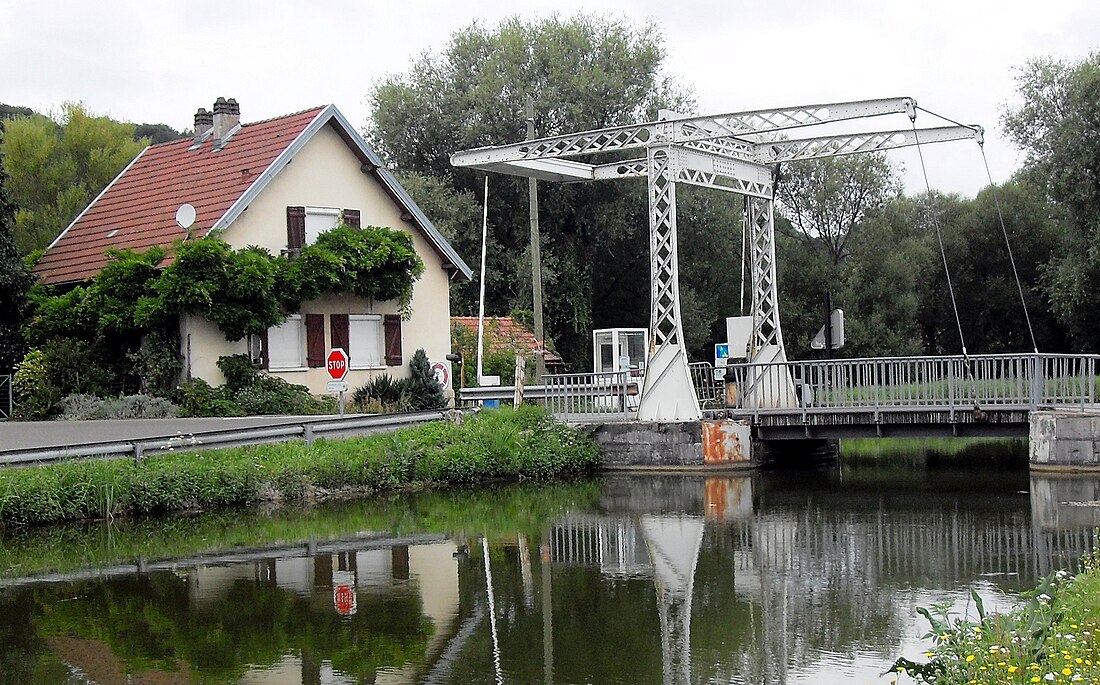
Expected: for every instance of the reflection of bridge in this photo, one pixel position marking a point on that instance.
(834, 570)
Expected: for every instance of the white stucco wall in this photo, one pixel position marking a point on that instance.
(326, 173)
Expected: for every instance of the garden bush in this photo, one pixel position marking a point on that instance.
(383, 393)
(84, 407)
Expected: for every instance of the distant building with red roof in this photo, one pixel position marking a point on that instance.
(507, 334)
(276, 184)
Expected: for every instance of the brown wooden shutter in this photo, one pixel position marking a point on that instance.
(338, 330)
(392, 324)
(351, 218)
(295, 228)
(315, 340)
(265, 357)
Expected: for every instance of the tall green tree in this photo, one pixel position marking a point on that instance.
(55, 168)
(1058, 125)
(583, 72)
(15, 280)
(824, 199)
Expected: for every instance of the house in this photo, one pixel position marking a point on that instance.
(505, 334)
(276, 184)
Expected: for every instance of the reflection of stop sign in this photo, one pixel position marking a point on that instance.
(337, 363)
(343, 598)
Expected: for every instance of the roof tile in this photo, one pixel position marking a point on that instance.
(138, 209)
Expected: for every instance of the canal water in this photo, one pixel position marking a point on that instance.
(769, 578)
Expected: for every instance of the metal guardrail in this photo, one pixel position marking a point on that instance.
(573, 396)
(709, 390)
(1011, 381)
(236, 437)
(7, 397)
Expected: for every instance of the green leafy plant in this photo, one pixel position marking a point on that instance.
(383, 394)
(424, 390)
(238, 370)
(371, 262)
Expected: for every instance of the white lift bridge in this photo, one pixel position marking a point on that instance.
(737, 152)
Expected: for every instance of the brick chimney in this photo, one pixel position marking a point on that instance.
(204, 121)
(227, 114)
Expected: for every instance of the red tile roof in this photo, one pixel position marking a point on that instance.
(502, 332)
(138, 209)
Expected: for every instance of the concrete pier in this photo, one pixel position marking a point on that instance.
(1064, 440)
(679, 445)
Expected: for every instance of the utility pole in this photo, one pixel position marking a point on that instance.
(536, 255)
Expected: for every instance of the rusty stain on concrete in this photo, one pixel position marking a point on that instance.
(722, 442)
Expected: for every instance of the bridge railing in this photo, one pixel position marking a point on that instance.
(1011, 381)
(576, 396)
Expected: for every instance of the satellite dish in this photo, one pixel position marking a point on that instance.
(185, 216)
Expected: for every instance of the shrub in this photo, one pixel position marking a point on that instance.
(138, 407)
(383, 394)
(424, 390)
(271, 395)
(157, 363)
(81, 407)
(196, 397)
(238, 371)
(72, 367)
(36, 397)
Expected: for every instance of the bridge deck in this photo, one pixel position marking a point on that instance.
(991, 422)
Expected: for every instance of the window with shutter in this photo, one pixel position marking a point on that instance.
(318, 220)
(351, 218)
(338, 331)
(285, 348)
(364, 340)
(393, 339)
(315, 340)
(295, 228)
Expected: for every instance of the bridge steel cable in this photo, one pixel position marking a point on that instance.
(943, 252)
(1004, 230)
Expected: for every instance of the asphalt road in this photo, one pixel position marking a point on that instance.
(31, 434)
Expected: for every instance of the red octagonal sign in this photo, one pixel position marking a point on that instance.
(337, 363)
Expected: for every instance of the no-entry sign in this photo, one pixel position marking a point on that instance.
(337, 363)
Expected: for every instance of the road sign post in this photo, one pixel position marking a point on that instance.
(336, 363)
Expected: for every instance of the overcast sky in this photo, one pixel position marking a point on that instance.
(159, 61)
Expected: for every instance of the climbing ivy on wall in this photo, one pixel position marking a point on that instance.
(240, 291)
(375, 263)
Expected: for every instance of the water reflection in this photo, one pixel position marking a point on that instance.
(768, 578)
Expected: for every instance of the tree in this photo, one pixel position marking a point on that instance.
(13, 111)
(893, 266)
(1058, 126)
(56, 168)
(424, 390)
(156, 133)
(584, 72)
(15, 280)
(824, 199)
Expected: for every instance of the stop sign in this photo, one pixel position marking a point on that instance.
(337, 363)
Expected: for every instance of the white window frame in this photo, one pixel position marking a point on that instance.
(333, 212)
(293, 322)
(355, 352)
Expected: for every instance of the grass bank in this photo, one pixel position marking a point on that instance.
(1053, 636)
(494, 446)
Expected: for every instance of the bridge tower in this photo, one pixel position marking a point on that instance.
(736, 152)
